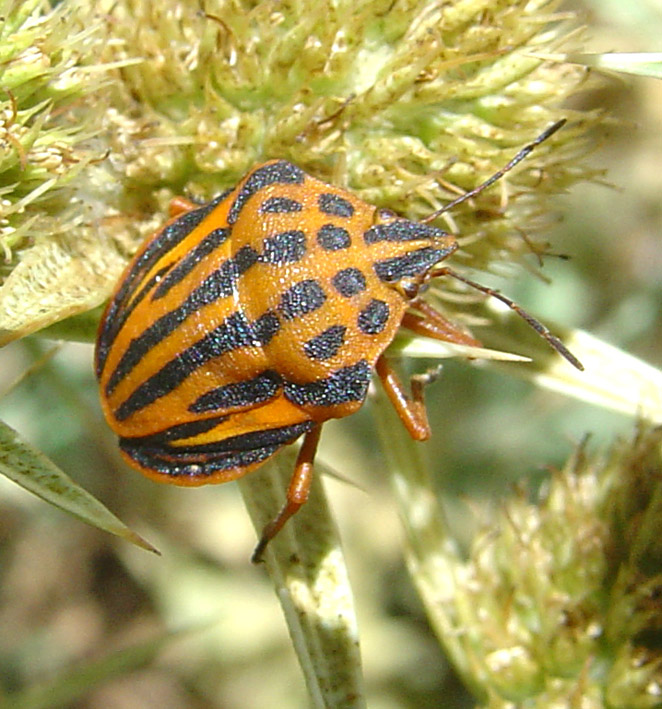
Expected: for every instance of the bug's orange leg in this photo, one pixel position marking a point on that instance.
(297, 493)
(180, 205)
(410, 409)
(431, 323)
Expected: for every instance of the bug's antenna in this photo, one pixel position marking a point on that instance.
(498, 174)
(535, 324)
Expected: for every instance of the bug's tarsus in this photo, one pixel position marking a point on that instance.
(410, 409)
(541, 329)
(297, 493)
(523, 153)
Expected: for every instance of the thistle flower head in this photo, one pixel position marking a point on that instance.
(407, 104)
(560, 599)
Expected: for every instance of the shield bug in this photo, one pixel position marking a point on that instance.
(247, 323)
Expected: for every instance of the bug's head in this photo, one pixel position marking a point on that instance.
(404, 251)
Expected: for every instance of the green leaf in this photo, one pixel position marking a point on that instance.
(32, 470)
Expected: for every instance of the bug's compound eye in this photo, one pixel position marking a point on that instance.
(383, 215)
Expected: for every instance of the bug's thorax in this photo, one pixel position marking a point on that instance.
(352, 257)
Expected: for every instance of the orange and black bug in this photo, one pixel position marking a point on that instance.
(249, 322)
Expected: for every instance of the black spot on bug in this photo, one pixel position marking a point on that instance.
(239, 394)
(373, 318)
(341, 387)
(281, 172)
(302, 298)
(280, 205)
(349, 282)
(326, 344)
(414, 263)
(220, 283)
(333, 238)
(266, 327)
(286, 247)
(335, 205)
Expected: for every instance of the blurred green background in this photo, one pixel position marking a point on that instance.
(70, 595)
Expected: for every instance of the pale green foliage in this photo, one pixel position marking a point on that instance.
(47, 227)
(41, 132)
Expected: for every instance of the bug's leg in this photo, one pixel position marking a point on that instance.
(180, 205)
(431, 323)
(297, 493)
(541, 329)
(410, 408)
